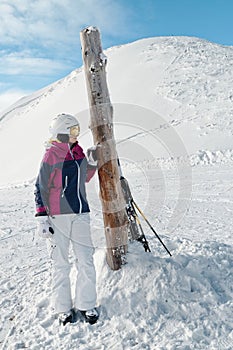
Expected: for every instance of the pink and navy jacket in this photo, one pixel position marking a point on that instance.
(60, 185)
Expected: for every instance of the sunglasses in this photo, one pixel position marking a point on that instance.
(74, 131)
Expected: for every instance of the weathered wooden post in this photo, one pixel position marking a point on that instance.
(101, 112)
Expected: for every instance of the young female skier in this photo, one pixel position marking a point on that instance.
(63, 217)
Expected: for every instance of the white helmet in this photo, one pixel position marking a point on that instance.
(62, 123)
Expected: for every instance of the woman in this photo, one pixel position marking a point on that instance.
(63, 217)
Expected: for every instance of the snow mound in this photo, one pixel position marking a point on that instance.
(153, 302)
(210, 157)
(180, 300)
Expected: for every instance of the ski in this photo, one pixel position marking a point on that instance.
(135, 228)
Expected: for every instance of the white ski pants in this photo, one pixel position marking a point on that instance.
(74, 229)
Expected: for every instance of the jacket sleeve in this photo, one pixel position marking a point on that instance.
(42, 189)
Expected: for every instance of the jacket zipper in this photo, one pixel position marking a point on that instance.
(78, 182)
(78, 186)
(65, 187)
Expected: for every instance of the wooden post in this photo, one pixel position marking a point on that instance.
(101, 112)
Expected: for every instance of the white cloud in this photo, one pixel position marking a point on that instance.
(24, 63)
(49, 23)
(43, 36)
(40, 39)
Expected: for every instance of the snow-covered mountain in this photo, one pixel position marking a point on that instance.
(172, 99)
(162, 89)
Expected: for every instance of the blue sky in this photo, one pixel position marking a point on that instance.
(39, 39)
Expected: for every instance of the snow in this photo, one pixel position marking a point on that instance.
(173, 124)
(154, 301)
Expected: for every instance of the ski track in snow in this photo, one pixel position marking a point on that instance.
(154, 301)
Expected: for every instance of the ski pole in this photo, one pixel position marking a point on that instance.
(151, 227)
(142, 238)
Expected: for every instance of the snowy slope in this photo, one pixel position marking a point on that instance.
(173, 122)
(177, 88)
(154, 302)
